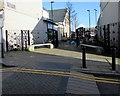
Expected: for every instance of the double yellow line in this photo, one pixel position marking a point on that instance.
(65, 74)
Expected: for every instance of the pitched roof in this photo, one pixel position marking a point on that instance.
(58, 15)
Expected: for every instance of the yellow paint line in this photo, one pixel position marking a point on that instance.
(67, 76)
(67, 73)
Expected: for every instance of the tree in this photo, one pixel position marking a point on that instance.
(75, 21)
(71, 12)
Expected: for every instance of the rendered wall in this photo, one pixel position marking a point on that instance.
(1, 4)
(25, 15)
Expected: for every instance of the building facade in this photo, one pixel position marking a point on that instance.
(23, 23)
(109, 24)
(61, 18)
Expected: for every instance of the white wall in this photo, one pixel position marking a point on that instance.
(1, 4)
(29, 7)
(45, 14)
(40, 32)
(60, 30)
(110, 13)
(25, 16)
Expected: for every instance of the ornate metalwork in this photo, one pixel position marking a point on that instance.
(17, 40)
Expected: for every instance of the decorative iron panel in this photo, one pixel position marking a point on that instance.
(17, 39)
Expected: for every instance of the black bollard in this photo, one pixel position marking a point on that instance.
(2, 50)
(83, 57)
(113, 59)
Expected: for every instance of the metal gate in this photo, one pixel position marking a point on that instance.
(107, 37)
(17, 40)
(53, 37)
(80, 32)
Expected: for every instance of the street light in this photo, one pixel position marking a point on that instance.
(95, 16)
(89, 19)
(52, 9)
(52, 20)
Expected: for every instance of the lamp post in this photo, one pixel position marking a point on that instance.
(52, 11)
(52, 20)
(89, 19)
(95, 16)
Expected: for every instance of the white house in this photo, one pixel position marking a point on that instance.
(24, 22)
(61, 18)
(109, 23)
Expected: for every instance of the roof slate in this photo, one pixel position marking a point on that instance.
(58, 15)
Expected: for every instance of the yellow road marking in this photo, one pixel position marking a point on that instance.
(64, 73)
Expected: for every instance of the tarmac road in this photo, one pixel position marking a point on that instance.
(30, 83)
(25, 83)
(107, 88)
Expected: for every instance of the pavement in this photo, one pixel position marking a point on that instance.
(57, 71)
(94, 63)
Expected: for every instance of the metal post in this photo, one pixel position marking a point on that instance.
(53, 37)
(95, 16)
(52, 22)
(84, 40)
(108, 37)
(113, 59)
(77, 41)
(56, 38)
(2, 50)
(83, 57)
(22, 44)
(2, 45)
(25, 38)
(89, 20)
(7, 40)
(28, 37)
(105, 38)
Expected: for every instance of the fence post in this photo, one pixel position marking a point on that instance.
(22, 44)
(7, 40)
(53, 35)
(28, 37)
(77, 40)
(57, 39)
(2, 50)
(113, 59)
(83, 57)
